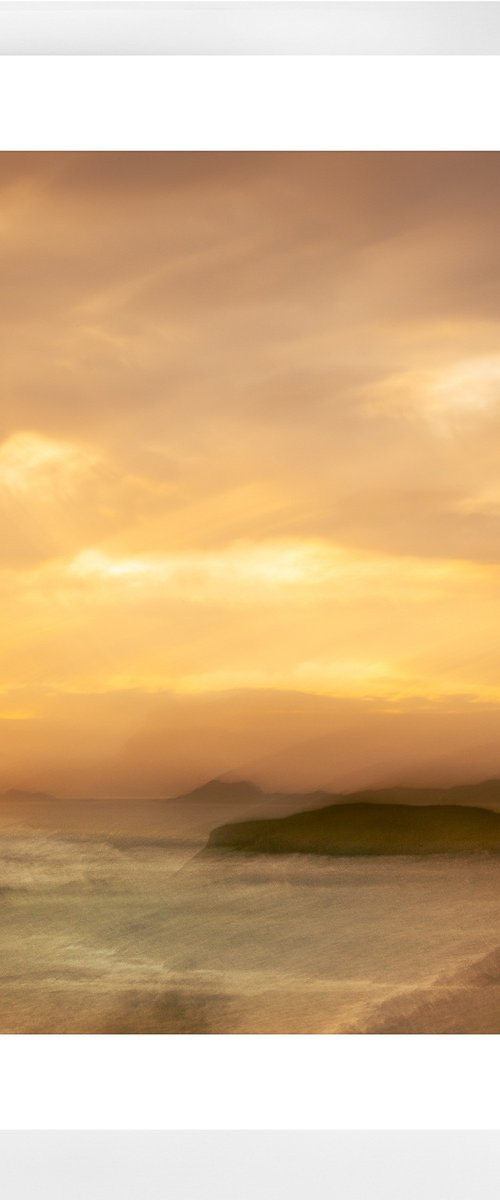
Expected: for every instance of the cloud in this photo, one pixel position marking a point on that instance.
(249, 429)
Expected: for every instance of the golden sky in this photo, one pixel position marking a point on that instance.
(249, 468)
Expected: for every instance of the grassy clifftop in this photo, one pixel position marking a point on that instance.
(363, 829)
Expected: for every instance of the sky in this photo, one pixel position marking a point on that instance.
(249, 469)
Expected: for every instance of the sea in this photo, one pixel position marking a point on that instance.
(110, 931)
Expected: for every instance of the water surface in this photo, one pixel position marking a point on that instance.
(121, 933)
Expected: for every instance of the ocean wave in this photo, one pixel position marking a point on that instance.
(466, 1000)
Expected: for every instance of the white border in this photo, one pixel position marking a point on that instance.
(249, 27)
(250, 1082)
(249, 103)
(253, 1082)
(275, 1165)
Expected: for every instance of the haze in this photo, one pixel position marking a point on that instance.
(249, 470)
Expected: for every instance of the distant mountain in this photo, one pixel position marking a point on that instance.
(361, 828)
(484, 795)
(222, 791)
(215, 790)
(16, 794)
